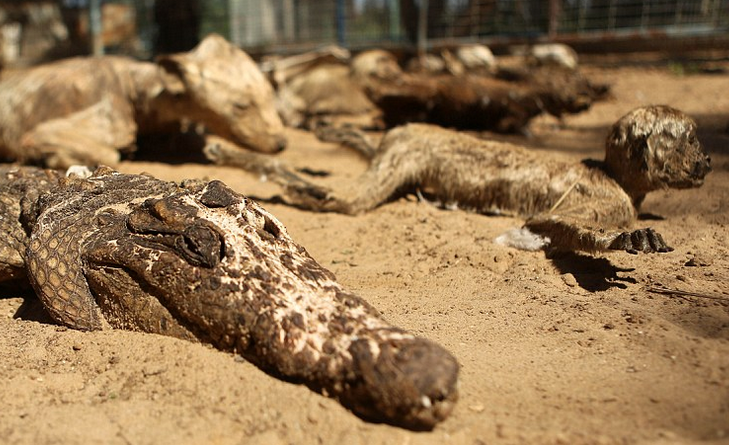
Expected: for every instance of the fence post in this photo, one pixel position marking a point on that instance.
(234, 22)
(394, 6)
(554, 12)
(341, 25)
(97, 44)
(422, 28)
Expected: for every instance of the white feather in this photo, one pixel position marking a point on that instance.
(522, 238)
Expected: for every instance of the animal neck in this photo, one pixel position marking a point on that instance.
(157, 109)
(637, 200)
(634, 183)
(144, 83)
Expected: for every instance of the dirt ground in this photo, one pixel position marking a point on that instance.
(574, 350)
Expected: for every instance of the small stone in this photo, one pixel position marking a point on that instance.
(569, 279)
(608, 326)
(697, 260)
(477, 408)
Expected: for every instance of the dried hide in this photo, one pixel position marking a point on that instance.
(326, 93)
(555, 54)
(85, 110)
(468, 91)
(505, 102)
(318, 87)
(573, 206)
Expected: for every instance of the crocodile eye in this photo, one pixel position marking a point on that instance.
(160, 225)
(200, 245)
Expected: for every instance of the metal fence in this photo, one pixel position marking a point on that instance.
(281, 24)
(145, 27)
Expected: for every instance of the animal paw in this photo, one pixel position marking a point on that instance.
(213, 152)
(309, 196)
(642, 240)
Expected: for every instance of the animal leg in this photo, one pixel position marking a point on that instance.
(223, 152)
(391, 172)
(349, 137)
(92, 136)
(573, 234)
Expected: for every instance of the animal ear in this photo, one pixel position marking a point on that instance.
(638, 151)
(172, 74)
(182, 72)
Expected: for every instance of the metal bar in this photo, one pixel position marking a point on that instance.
(394, 6)
(423, 28)
(554, 11)
(612, 10)
(341, 24)
(97, 44)
(234, 7)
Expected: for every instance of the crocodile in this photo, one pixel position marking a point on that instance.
(198, 261)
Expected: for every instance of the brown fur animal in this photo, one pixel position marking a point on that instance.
(373, 90)
(505, 102)
(85, 110)
(578, 206)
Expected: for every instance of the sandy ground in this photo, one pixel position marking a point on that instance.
(571, 351)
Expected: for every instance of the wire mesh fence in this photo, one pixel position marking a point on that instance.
(284, 23)
(145, 27)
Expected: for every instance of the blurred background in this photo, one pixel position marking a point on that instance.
(35, 31)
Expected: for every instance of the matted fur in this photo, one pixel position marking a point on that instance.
(85, 110)
(578, 206)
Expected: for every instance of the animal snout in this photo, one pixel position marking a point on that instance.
(280, 144)
(702, 167)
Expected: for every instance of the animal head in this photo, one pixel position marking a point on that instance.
(655, 147)
(376, 64)
(562, 90)
(227, 92)
(197, 249)
(204, 260)
(556, 54)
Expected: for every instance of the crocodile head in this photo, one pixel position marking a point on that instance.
(200, 261)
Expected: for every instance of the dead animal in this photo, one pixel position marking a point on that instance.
(586, 206)
(504, 102)
(325, 93)
(87, 110)
(319, 86)
(200, 262)
(373, 91)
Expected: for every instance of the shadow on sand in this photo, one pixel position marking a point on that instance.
(592, 274)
